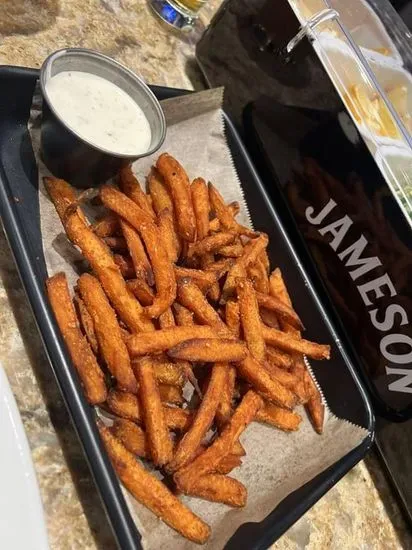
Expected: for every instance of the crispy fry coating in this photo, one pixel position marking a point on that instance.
(126, 305)
(217, 488)
(208, 461)
(161, 265)
(203, 279)
(130, 186)
(151, 492)
(86, 323)
(109, 336)
(82, 356)
(201, 207)
(283, 419)
(251, 323)
(178, 184)
(141, 290)
(190, 296)
(107, 226)
(283, 311)
(184, 317)
(209, 350)
(137, 251)
(251, 251)
(272, 390)
(289, 343)
(166, 226)
(212, 243)
(161, 448)
(203, 419)
(132, 436)
(163, 340)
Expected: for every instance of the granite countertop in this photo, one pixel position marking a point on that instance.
(359, 512)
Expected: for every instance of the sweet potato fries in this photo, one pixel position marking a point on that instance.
(182, 335)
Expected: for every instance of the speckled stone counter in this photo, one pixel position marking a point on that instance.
(359, 512)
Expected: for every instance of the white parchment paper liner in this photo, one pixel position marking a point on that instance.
(276, 463)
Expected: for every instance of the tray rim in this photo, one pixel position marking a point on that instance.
(81, 414)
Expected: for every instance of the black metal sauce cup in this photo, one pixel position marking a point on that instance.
(74, 158)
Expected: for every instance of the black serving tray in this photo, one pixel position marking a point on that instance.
(19, 208)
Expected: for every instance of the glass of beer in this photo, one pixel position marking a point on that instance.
(180, 14)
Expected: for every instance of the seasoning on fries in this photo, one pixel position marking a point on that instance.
(200, 313)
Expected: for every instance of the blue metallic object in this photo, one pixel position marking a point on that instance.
(173, 14)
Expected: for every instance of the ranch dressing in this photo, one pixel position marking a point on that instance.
(99, 112)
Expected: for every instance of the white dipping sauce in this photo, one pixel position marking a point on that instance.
(99, 112)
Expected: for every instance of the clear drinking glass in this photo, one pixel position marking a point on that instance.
(180, 14)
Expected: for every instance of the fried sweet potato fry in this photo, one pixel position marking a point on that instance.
(232, 315)
(163, 340)
(109, 336)
(171, 394)
(229, 463)
(184, 317)
(63, 197)
(234, 209)
(224, 214)
(203, 419)
(169, 373)
(80, 352)
(101, 261)
(159, 192)
(158, 438)
(287, 379)
(314, 405)
(162, 267)
(225, 407)
(221, 267)
(251, 251)
(272, 390)
(289, 343)
(282, 310)
(132, 436)
(250, 319)
(125, 265)
(130, 186)
(211, 244)
(258, 275)
(167, 319)
(178, 419)
(151, 492)
(201, 207)
(278, 287)
(278, 358)
(234, 250)
(208, 461)
(124, 404)
(203, 279)
(86, 323)
(137, 251)
(141, 290)
(283, 419)
(209, 350)
(107, 226)
(190, 296)
(165, 223)
(217, 488)
(178, 184)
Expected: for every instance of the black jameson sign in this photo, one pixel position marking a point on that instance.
(367, 268)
